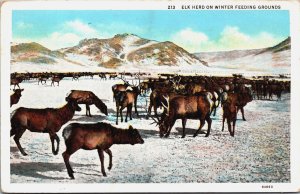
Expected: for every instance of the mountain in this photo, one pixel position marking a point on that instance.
(129, 49)
(123, 52)
(275, 59)
(34, 52)
(129, 52)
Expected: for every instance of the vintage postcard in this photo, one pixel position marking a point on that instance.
(150, 96)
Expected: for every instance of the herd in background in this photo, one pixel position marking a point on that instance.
(180, 97)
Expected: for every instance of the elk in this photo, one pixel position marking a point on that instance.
(48, 120)
(126, 99)
(186, 107)
(42, 79)
(102, 76)
(75, 77)
(230, 114)
(119, 87)
(15, 81)
(239, 99)
(56, 79)
(113, 76)
(88, 98)
(15, 97)
(100, 136)
(157, 99)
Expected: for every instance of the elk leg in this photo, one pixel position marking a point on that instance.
(135, 107)
(223, 121)
(127, 112)
(108, 151)
(229, 126)
(183, 127)
(170, 127)
(71, 148)
(215, 109)
(202, 122)
(117, 114)
(17, 137)
(66, 155)
(121, 109)
(53, 137)
(242, 110)
(57, 141)
(88, 110)
(208, 119)
(101, 156)
(150, 107)
(130, 111)
(233, 127)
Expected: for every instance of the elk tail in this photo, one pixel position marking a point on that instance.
(67, 131)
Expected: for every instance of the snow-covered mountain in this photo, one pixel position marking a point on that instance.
(128, 52)
(122, 52)
(276, 59)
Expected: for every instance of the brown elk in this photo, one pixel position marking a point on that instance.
(230, 114)
(47, 120)
(126, 99)
(56, 79)
(42, 79)
(119, 87)
(157, 99)
(100, 136)
(113, 76)
(75, 77)
(102, 76)
(15, 97)
(15, 81)
(187, 107)
(88, 98)
(239, 99)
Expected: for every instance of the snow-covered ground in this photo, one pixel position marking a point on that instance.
(259, 152)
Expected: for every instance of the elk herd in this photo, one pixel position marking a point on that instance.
(178, 97)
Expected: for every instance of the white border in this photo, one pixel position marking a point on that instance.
(6, 32)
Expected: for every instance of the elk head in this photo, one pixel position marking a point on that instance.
(135, 137)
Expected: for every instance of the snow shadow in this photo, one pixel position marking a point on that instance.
(38, 170)
(94, 118)
(188, 131)
(145, 133)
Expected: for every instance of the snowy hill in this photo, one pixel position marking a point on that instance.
(122, 52)
(276, 59)
(129, 51)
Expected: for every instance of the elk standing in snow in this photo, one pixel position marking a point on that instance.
(126, 99)
(88, 98)
(56, 79)
(15, 81)
(48, 120)
(100, 136)
(187, 107)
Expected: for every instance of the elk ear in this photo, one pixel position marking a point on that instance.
(130, 127)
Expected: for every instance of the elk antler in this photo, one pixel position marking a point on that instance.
(167, 98)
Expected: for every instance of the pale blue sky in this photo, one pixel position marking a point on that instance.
(206, 30)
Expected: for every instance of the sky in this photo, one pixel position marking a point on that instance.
(195, 31)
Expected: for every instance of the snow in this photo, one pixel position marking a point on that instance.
(246, 61)
(259, 152)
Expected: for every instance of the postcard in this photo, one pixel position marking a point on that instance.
(150, 96)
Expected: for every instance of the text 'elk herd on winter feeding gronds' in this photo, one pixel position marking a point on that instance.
(161, 99)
